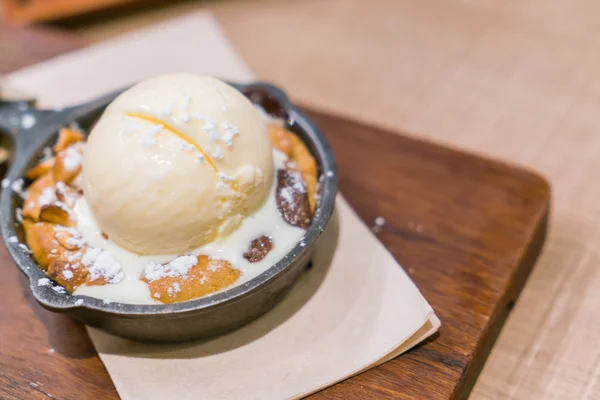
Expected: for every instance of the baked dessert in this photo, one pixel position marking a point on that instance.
(182, 189)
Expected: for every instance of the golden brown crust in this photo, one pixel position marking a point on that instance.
(66, 195)
(69, 275)
(297, 152)
(64, 239)
(40, 169)
(31, 207)
(56, 214)
(60, 172)
(206, 277)
(59, 256)
(42, 243)
(66, 137)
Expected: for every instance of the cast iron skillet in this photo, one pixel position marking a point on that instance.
(194, 319)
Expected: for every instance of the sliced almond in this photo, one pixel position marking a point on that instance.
(66, 137)
(66, 194)
(40, 169)
(281, 139)
(68, 240)
(32, 207)
(68, 164)
(56, 214)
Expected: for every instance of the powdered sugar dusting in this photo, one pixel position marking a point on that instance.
(73, 159)
(48, 196)
(59, 289)
(287, 195)
(178, 267)
(44, 282)
(76, 241)
(214, 266)
(148, 139)
(185, 146)
(101, 264)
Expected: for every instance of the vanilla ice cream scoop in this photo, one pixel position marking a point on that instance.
(176, 162)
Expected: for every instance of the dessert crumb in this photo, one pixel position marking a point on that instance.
(102, 264)
(43, 282)
(73, 159)
(378, 223)
(67, 274)
(58, 289)
(51, 351)
(179, 267)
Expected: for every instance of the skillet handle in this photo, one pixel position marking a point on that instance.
(30, 127)
(14, 114)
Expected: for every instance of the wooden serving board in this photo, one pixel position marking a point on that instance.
(467, 230)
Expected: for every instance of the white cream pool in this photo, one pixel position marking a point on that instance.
(265, 221)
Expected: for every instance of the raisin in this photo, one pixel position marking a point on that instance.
(259, 248)
(292, 198)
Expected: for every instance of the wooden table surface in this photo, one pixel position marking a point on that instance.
(466, 229)
(516, 79)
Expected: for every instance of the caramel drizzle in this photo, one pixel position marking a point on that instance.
(177, 133)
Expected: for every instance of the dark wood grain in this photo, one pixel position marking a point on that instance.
(467, 229)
